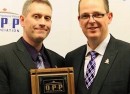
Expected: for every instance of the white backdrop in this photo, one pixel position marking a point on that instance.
(65, 34)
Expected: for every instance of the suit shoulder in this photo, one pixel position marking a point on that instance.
(123, 44)
(7, 46)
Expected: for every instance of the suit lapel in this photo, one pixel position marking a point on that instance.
(24, 56)
(53, 61)
(50, 58)
(79, 62)
(106, 63)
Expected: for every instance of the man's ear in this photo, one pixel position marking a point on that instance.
(110, 16)
(79, 20)
(78, 17)
(21, 18)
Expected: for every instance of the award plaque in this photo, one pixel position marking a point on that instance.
(52, 81)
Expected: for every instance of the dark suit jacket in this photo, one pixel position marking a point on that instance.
(112, 78)
(15, 65)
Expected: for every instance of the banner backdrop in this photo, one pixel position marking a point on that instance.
(65, 34)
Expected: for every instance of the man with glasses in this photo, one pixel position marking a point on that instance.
(102, 66)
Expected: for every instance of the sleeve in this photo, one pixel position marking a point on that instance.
(4, 82)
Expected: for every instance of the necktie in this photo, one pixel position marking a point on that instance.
(40, 63)
(90, 70)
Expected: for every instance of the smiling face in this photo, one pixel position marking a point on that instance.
(37, 23)
(94, 26)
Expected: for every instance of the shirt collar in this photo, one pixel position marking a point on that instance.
(102, 46)
(32, 51)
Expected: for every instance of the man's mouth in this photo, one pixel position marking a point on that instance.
(92, 28)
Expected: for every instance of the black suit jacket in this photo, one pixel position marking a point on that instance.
(112, 77)
(15, 65)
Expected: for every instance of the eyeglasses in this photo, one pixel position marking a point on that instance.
(94, 16)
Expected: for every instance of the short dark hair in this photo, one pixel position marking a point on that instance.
(29, 2)
(106, 5)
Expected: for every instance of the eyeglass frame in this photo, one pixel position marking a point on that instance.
(94, 15)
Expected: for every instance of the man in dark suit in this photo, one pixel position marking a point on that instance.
(16, 59)
(102, 66)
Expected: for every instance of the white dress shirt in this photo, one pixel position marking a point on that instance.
(100, 50)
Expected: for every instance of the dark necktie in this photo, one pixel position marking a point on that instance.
(90, 70)
(40, 62)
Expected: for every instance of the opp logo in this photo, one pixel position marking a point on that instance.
(9, 21)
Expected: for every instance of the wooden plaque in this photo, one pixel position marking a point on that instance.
(52, 81)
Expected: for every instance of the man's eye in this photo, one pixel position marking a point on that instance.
(48, 18)
(36, 16)
(85, 16)
(98, 15)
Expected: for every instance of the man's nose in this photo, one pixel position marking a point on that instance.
(43, 21)
(91, 18)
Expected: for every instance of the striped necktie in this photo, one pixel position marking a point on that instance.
(40, 62)
(90, 70)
